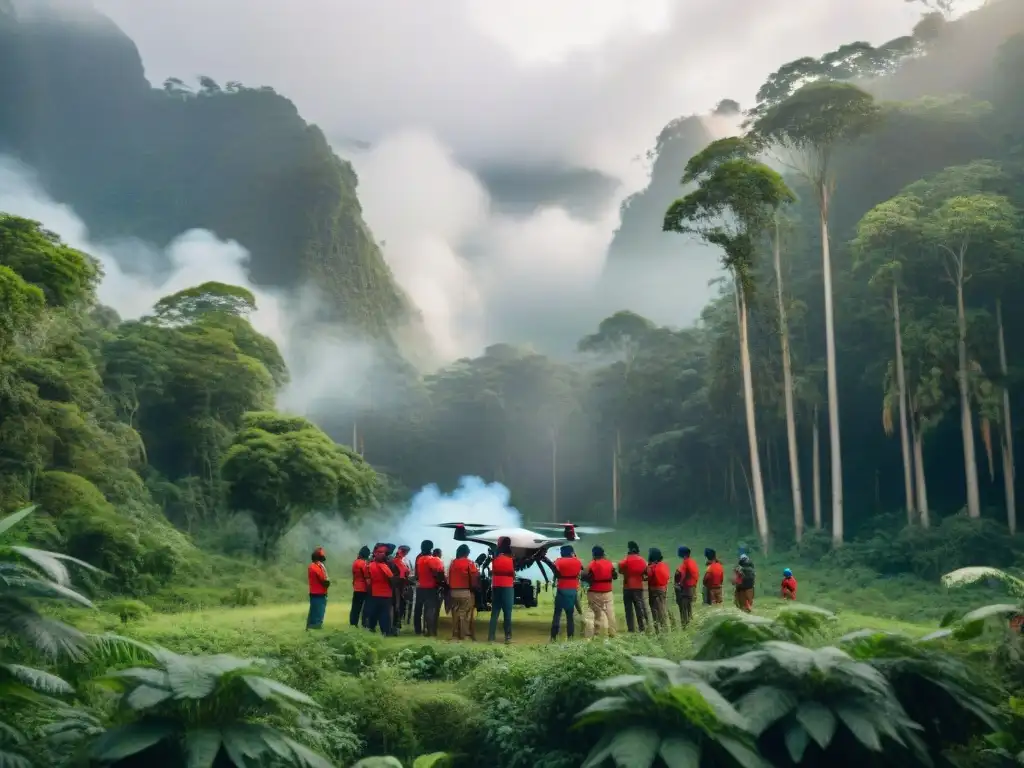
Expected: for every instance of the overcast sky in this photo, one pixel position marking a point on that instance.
(442, 87)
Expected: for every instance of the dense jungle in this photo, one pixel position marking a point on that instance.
(843, 408)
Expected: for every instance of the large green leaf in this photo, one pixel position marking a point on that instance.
(819, 722)
(797, 740)
(635, 747)
(51, 563)
(741, 753)
(13, 760)
(38, 680)
(14, 518)
(765, 705)
(146, 696)
(154, 677)
(600, 752)
(125, 740)
(201, 747)
(677, 752)
(432, 760)
(191, 678)
(266, 688)
(861, 726)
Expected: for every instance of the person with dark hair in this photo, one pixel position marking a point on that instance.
(567, 570)
(687, 576)
(599, 575)
(657, 587)
(464, 580)
(404, 571)
(633, 570)
(382, 591)
(714, 577)
(318, 585)
(743, 579)
(429, 576)
(360, 586)
(503, 592)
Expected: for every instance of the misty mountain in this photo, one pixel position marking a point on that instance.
(134, 161)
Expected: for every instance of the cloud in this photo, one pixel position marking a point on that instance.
(447, 88)
(318, 358)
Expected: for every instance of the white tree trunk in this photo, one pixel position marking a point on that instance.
(760, 510)
(1009, 466)
(816, 469)
(835, 451)
(922, 484)
(355, 437)
(787, 383)
(966, 421)
(901, 382)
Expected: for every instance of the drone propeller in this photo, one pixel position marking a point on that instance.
(463, 525)
(590, 530)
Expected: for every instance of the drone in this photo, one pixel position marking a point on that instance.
(529, 547)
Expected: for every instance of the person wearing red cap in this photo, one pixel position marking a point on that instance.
(383, 578)
(318, 584)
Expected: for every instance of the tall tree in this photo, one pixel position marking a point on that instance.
(787, 386)
(733, 206)
(961, 224)
(884, 236)
(810, 126)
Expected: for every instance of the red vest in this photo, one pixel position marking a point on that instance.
(380, 579)
(568, 570)
(460, 573)
(427, 569)
(688, 572)
(317, 573)
(714, 575)
(503, 571)
(359, 575)
(601, 575)
(657, 575)
(632, 568)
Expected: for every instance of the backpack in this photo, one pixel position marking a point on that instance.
(746, 577)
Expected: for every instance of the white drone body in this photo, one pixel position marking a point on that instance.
(528, 547)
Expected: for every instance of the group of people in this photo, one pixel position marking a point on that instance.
(388, 591)
(654, 572)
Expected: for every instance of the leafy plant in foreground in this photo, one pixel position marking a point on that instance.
(203, 711)
(736, 633)
(26, 576)
(650, 720)
(951, 702)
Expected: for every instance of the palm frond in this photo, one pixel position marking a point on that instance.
(965, 576)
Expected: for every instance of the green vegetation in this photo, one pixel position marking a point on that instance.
(874, 283)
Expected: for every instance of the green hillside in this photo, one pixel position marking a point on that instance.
(151, 163)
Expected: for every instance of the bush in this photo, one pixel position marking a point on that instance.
(382, 709)
(433, 662)
(242, 596)
(447, 722)
(529, 701)
(127, 609)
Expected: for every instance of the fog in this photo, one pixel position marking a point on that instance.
(443, 92)
(318, 358)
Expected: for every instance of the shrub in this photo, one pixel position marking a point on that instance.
(127, 609)
(242, 596)
(447, 722)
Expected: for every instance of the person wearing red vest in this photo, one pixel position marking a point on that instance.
(599, 575)
(360, 587)
(567, 570)
(429, 576)
(503, 589)
(318, 584)
(788, 585)
(634, 571)
(398, 612)
(464, 580)
(687, 576)
(382, 591)
(657, 585)
(714, 576)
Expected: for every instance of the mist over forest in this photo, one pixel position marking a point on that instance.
(239, 320)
